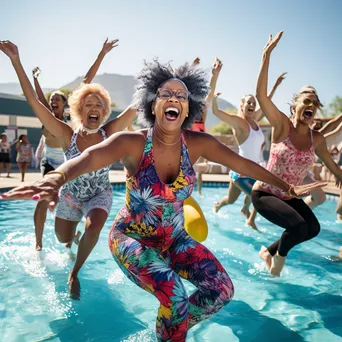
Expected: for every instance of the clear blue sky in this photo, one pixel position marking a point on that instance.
(64, 37)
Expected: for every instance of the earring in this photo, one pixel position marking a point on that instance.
(152, 112)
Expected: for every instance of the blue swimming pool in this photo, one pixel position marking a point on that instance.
(305, 304)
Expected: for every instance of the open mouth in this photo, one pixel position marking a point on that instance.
(308, 114)
(93, 118)
(250, 110)
(171, 113)
(54, 106)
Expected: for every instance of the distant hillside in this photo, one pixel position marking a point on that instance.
(120, 89)
(15, 88)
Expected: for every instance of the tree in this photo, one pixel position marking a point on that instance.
(222, 128)
(335, 106)
(65, 91)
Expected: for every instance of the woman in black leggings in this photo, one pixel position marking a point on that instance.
(292, 155)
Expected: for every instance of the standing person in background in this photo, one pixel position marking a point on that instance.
(250, 139)
(49, 150)
(5, 154)
(24, 156)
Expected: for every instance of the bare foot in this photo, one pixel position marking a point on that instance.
(278, 263)
(68, 245)
(74, 287)
(245, 211)
(217, 207)
(340, 254)
(265, 255)
(39, 247)
(77, 238)
(252, 224)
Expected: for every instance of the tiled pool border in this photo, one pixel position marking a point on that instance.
(122, 185)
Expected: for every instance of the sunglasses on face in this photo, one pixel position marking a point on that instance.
(165, 94)
(310, 103)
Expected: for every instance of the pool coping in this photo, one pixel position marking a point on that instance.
(118, 180)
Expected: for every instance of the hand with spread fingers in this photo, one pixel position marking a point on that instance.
(304, 190)
(272, 43)
(280, 78)
(109, 45)
(45, 189)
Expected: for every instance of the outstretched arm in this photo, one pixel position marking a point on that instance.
(259, 114)
(277, 119)
(217, 152)
(122, 121)
(107, 46)
(232, 119)
(323, 153)
(334, 137)
(93, 158)
(213, 80)
(39, 91)
(331, 125)
(53, 125)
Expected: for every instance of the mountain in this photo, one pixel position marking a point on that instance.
(15, 88)
(120, 88)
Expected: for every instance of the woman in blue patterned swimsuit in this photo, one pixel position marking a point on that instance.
(148, 240)
(89, 195)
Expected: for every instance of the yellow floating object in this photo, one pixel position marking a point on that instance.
(194, 220)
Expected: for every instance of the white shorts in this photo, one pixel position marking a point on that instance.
(72, 209)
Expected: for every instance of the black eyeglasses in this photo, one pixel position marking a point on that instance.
(165, 94)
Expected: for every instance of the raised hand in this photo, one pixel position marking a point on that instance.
(196, 61)
(9, 49)
(109, 45)
(304, 190)
(36, 72)
(272, 43)
(280, 78)
(217, 67)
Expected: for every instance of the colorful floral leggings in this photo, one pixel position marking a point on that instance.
(161, 273)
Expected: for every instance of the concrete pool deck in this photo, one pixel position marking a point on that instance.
(118, 176)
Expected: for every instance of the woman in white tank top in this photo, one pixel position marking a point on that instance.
(250, 139)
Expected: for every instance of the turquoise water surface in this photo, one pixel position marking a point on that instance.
(305, 304)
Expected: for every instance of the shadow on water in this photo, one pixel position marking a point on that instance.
(252, 326)
(327, 305)
(98, 316)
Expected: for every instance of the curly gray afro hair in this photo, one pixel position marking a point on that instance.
(154, 74)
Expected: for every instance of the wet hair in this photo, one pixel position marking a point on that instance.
(304, 90)
(76, 100)
(155, 74)
(61, 94)
(242, 101)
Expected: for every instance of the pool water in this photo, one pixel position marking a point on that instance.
(305, 304)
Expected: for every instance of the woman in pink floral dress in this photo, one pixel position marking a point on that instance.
(292, 156)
